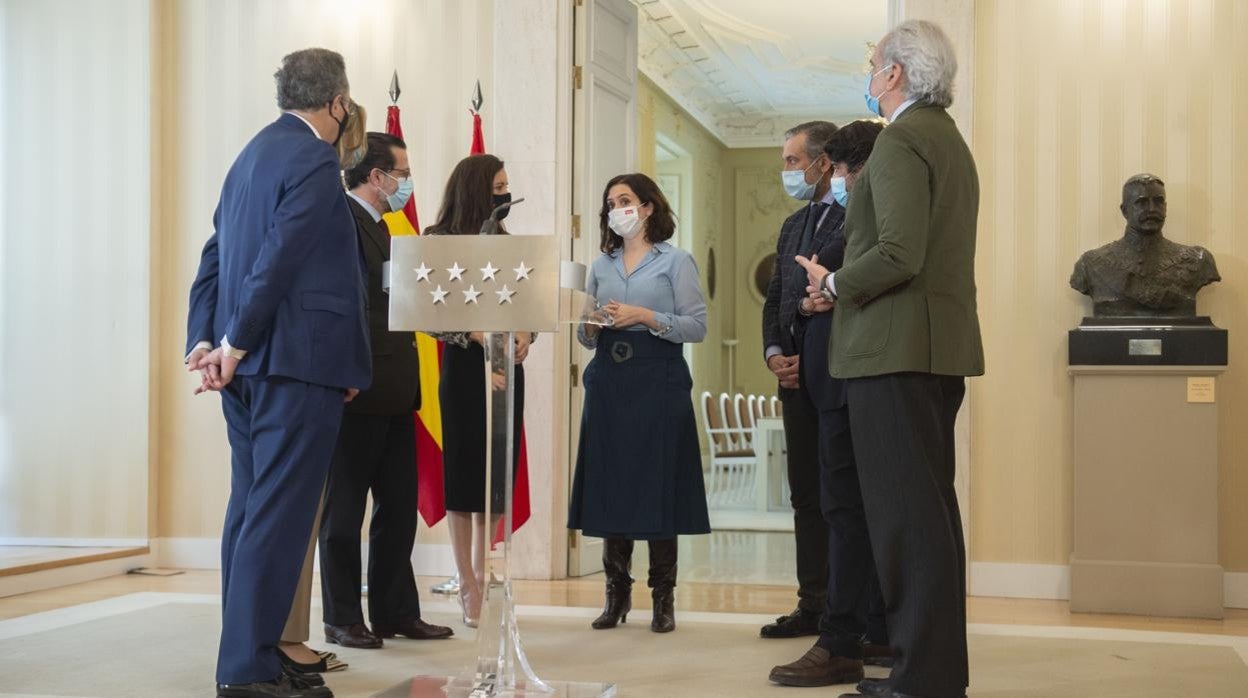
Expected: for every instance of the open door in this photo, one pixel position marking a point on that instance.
(604, 145)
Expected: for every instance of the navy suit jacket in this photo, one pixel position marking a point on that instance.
(826, 392)
(281, 275)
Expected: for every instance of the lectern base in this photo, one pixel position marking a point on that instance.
(460, 687)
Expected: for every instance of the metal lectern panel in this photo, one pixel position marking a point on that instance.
(467, 283)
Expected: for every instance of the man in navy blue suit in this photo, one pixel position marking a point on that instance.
(280, 296)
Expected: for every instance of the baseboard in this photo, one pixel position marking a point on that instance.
(74, 542)
(72, 574)
(1016, 580)
(431, 559)
(1235, 589)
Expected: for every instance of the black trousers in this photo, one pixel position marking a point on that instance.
(902, 426)
(801, 436)
(855, 608)
(375, 453)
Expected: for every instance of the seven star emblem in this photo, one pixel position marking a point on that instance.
(439, 296)
(422, 272)
(456, 272)
(505, 294)
(522, 271)
(488, 271)
(470, 296)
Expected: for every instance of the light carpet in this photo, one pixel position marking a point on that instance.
(151, 646)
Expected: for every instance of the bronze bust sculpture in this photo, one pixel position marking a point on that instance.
(1143, 274)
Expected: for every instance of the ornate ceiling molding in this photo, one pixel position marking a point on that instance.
(747, 82)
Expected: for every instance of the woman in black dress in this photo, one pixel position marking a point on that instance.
(476, 186)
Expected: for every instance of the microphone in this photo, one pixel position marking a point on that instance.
(490, 225)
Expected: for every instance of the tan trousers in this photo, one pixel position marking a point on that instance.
(297, 623)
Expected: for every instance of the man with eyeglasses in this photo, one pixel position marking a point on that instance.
(376, 447)
(276, 325)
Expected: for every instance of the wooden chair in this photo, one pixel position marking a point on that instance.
(728, 456)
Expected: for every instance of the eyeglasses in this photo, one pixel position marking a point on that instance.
(403, 174)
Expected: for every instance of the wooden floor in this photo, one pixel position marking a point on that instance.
(691, 596)
(23, 559)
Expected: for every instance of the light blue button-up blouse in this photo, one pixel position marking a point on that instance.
(666, 281)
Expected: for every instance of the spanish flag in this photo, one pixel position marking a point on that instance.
(431, 500)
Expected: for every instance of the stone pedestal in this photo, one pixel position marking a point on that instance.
(1146, 491)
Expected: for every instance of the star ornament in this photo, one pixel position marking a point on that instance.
(504, 294)
(488, 271)
(522, 271)
(456, 272)
(439, 296)
(422, 272)
(471, 295)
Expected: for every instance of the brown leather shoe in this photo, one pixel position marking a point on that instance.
(415, 629)
(818, 667)
(356, 635)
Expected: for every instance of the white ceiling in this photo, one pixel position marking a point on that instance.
(748, 70)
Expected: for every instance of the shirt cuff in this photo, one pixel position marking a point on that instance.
(201, 345)
(227, 348)
(831, 283)
(665, 325)
(773, 350)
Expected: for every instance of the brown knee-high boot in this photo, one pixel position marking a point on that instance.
(617, 559)
(663, 584)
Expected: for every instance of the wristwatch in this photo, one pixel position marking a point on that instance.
(824, 290)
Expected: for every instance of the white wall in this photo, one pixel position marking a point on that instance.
(74, 268)
(218, 93)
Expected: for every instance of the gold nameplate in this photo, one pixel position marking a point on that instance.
(1200, 389)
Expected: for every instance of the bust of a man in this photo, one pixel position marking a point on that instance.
(1144, 274)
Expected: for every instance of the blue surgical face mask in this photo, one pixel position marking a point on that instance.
(839, 192)
(795, 184)
(873, 102)
(399, 198)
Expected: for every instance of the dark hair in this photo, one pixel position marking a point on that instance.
(818, 133)
(852, 144)
(661, 224)
(468, 200)
(379, 156)
(310, 79)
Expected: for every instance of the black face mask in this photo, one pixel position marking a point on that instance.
(499, 200)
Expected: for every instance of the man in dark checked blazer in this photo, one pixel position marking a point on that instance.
(806, 177)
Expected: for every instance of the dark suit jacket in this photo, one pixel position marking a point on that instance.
(906, 295)
(826, 392)
(396, 368)
(787, 285)
(280, 275)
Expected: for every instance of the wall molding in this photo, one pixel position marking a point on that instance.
(1016, 580)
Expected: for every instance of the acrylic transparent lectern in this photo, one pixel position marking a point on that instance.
(501, 285)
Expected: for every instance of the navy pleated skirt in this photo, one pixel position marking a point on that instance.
(639, 468)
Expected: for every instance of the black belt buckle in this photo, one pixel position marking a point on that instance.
(621, 352)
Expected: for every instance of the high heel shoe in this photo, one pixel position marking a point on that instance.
(463, 605)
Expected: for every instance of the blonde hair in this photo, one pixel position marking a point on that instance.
(354, 137)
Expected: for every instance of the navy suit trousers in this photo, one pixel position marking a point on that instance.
(282, 435)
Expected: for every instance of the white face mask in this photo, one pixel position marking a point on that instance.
(625, 222)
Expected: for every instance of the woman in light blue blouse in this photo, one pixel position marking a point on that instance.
(639, 468)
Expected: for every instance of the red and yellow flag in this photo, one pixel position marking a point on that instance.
(430, 501)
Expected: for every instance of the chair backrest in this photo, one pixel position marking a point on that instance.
(760, 407)
(714, 422)
(746, 414)
(730, 419)
(777, 407)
